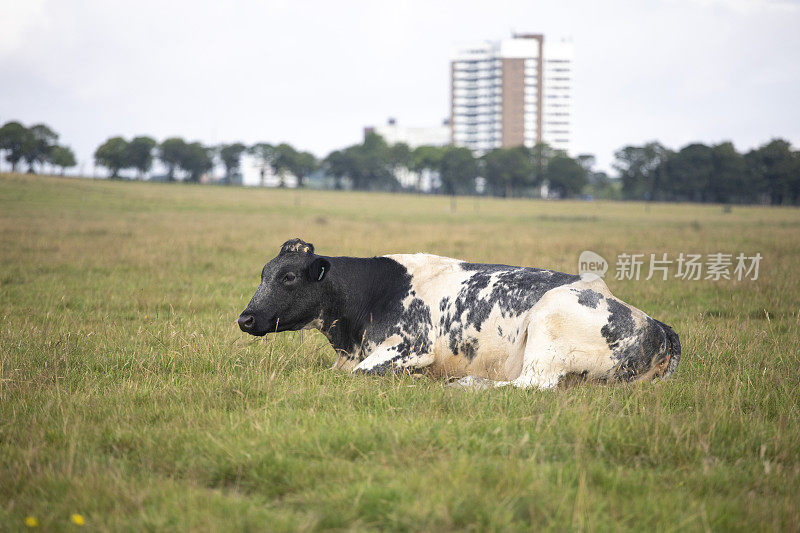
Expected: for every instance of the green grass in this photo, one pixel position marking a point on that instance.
(128, 394)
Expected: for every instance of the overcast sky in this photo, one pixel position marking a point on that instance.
(314, 73)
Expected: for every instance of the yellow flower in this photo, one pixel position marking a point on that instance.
(31, 521)
(77, 519)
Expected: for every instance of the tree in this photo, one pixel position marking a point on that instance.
(284, 161)
(304, 164)
(458, 170)
(599, 185)
(171, 152)
(508, 170)
(426, 160)
(37, 144)
(540, 155)
(686, 174)
(112, 154)
(139, 154)
(231, 156)
(196, 160)
(776, 170)
(62, 157)
(602, 186)
(637, 166)
(285, 158)
(337, 165)
(399, 158)
(373, 164)
(368, 165)
(565, 176)
(12, 137)
(349, 164)
(729, 177)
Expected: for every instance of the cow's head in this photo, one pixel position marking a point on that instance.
(290, 295)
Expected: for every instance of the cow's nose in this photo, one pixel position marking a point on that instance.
(246, 322)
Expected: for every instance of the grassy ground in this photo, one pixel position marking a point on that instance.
(128, 395)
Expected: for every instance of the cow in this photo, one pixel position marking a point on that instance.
(487, 324)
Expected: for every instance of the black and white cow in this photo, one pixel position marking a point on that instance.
(486, 324)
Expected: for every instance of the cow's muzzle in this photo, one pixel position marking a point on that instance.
(254, 324)
(247, 323)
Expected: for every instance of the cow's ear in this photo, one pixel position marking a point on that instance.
(318, 269)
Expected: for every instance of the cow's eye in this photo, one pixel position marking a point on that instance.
(289, 277)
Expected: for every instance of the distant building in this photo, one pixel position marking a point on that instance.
(393, 133)
(253, 173)
(414, 137)
(513, 92)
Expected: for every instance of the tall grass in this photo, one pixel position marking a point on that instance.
(128, 395)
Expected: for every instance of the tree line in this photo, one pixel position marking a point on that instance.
(371, 165)
(36, 146)
(194, 159)
(507, 172)
(717, 173)
(694, 173)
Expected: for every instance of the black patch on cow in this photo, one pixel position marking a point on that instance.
(589, 298)
(469, 348)
(377, 370)
(636, 350)
(365, 307)
(620, 324)
(638, 358)
(363, 296)
(414, 327)
(513, 289)
(673, 348)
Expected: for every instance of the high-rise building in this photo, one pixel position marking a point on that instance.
(513, 92)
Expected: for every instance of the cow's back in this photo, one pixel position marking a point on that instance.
(479, 312)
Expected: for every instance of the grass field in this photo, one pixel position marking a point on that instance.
(129, 396)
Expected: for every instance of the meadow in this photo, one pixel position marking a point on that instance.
(129, 396)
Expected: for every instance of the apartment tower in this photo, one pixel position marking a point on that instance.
(514, 92)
